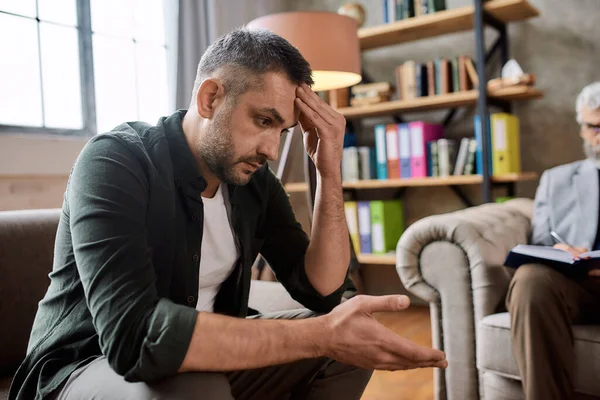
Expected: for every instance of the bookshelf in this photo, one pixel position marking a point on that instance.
(495, 14)
(436, 181)
(298, 187)
(374, 259)
(442, 23)
(450, 100)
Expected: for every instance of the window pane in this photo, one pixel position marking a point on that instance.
(21, 7)
(59, 11)
(60, 76)
(149, 21)
(114, 71)
(20, 94)
(151, 82)
(113, 17)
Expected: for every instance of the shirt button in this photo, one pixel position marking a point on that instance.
(196, 258)
(191, 299)
(195, 217)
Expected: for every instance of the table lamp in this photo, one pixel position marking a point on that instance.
(328, 41)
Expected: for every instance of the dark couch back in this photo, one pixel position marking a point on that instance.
(26, 252)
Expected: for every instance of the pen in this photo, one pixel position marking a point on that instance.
(557, 237)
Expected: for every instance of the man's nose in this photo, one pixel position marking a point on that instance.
(270, 147)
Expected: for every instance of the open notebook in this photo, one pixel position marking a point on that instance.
(555, 258)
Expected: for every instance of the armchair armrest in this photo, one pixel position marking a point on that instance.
(455, 262)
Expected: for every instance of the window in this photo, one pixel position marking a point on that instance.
(81, 66)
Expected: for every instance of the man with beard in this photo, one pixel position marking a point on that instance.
(160, 225)
(542, 302)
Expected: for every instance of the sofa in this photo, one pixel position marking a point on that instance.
(26, 252)
(454, 262)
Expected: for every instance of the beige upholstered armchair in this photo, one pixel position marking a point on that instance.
(455, 262)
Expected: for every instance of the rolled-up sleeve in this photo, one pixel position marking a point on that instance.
(143, 336)
(285, 248)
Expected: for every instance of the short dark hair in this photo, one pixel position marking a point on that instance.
(245, 55)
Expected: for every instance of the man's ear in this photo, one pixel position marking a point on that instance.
(210, 94)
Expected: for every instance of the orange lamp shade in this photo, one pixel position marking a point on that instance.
(328, 41)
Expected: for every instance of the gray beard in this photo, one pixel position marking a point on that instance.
(592, 152)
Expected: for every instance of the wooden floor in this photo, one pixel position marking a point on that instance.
(413, 324)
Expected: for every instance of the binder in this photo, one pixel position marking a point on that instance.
(393, 159)
(387, 225)
(364, 227)
(381, 152)
(420, 134)
(351, 212)
(506, 156)
(404, 150)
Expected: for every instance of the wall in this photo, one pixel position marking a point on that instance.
(561, 46)
(34, 169)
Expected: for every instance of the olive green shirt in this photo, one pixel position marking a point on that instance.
(124, 283)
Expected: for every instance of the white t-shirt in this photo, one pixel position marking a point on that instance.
(218, 251)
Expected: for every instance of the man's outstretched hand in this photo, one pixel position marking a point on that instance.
(358, 339)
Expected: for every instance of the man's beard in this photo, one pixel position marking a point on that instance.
(591, 152)
(218, 152)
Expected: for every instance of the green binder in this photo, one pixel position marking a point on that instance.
(387, 225)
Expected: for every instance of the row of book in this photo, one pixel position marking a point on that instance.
(419, 149)
(374, 226)
(436, 77)
(396, 10)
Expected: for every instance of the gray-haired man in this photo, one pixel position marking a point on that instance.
(542, 302)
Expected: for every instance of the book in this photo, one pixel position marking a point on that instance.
(381, 152)
(409, 80)
(436, 5)
(433, 168)
(351, 212)
(404, 150)
(430, 78)
(506, 157)
(350, 164)
(421, 80)
(463, 77)
(420, 134)
(479, 152)
(387, 225)
(372, 88)
(461, 158)
(399, 4)
(455, 75)
(470, 164)
(417, 6)
(365, 163)
(364, 227)
(472, 72)
(446, 156)
(400, 83)
(445, 76)
(408, 9)
(558, 259)
(393, 158)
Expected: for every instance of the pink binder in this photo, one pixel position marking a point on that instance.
(421, 133)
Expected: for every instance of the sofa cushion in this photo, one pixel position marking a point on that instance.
(494, 352)
(267, 296)
(26, 252)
